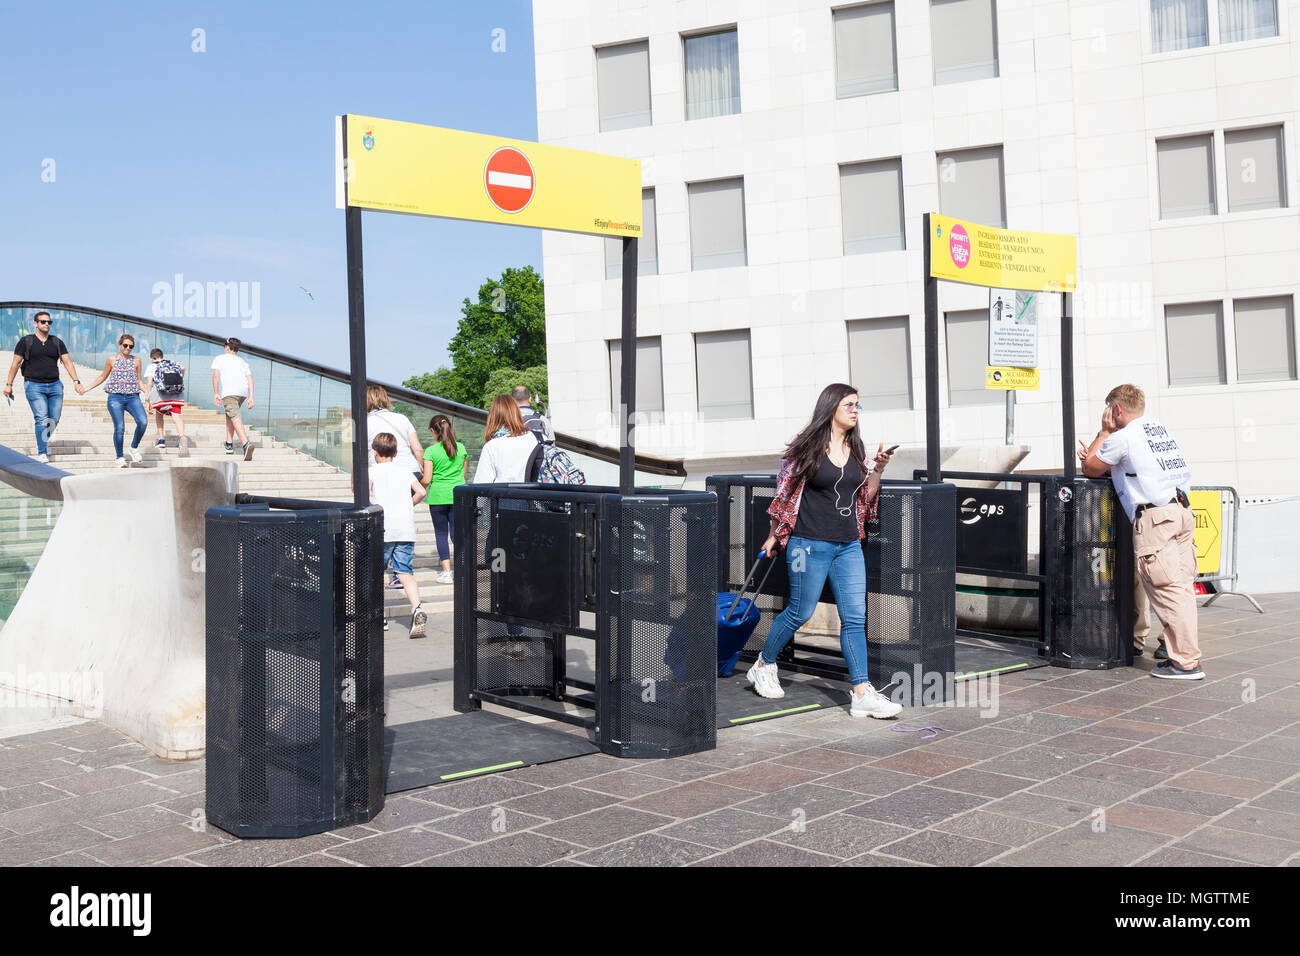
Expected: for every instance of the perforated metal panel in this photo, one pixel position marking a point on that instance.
(294, 669)
(1091, 576)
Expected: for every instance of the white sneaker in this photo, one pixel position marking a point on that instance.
(766, 683)
(418, 619)
(121, 463)
(135, 455)
(43, 459)
(873, 704)
(444, 577)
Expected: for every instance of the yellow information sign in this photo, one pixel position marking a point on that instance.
(429, 171)
(1207, 508)
(967, 252)
(1006, 378)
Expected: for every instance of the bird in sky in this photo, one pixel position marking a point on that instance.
(309, 295)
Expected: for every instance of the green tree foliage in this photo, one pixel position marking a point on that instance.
(505, 329)
(503, 380)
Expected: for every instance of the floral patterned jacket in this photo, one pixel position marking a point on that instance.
(785, 506)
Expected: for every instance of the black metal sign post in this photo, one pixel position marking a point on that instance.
(627, 397)
(1067, 382)
(356, 342)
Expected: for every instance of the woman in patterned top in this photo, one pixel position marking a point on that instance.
(124, 390)
(825, 495)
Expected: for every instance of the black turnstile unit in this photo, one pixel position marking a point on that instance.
(295, 666)
(911, 584)
(537, 565)
(1084, 581)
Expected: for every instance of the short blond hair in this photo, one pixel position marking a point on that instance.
(1130, 397)
(377, 397)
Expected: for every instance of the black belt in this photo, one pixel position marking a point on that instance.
(1181, 499)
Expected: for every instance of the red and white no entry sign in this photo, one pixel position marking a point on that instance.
(508, 177)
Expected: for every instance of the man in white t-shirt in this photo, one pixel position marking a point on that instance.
(1152, 481)
(232, 386)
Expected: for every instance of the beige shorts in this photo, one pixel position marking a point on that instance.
(231, 404)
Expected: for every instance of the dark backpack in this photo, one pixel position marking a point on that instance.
(168, 378)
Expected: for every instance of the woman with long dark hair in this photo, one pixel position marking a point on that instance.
(825, 495)
(445, 465)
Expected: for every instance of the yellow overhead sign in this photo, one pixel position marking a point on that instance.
(1004, 377)
(429, 171)
(963, 251)
(1207, 509)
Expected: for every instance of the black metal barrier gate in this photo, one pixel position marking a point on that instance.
(634, 574)
(911, 584)
(1085, 574)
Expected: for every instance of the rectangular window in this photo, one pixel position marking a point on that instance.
(649, 375)
(968, 351)
(717, 211)
(880, 362)
(1256, 175)
(1178, 25)
(1185, 167)
(865, 59)
(1265, 331)
(871, 206)
(712, 75)
(965, 40)
(1194, 341)
(647, 249)
(970, 186)
(722, 375)
(1247, 20)
(623, 85)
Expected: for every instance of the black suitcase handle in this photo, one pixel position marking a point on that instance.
(749, 577)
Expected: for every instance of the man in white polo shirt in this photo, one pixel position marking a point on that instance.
(1152, 480)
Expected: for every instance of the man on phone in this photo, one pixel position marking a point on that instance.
(39, 355)
(1152, 480)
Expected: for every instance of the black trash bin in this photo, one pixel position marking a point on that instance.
(295, 668)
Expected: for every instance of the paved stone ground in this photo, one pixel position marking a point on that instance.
(1179, 774)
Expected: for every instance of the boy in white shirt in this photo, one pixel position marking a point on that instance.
(396, 491)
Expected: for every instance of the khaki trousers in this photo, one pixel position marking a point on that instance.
(1141, 614)
(1165, 558)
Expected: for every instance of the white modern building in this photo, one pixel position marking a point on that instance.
(789, 149)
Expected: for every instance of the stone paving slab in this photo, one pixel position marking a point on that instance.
(1076, 768)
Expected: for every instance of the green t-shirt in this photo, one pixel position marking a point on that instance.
(447, 472)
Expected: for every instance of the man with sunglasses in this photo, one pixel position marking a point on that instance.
(39, 355)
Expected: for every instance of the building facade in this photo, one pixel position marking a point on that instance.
(789, 149)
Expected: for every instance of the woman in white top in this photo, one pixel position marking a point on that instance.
(507, 444)
(380, 417)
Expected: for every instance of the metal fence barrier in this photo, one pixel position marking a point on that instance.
(911, 590)
(633, 574)
(295, 666)
(1225, 535)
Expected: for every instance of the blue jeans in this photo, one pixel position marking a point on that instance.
(46, 401)
(810, 562)
(116, 405)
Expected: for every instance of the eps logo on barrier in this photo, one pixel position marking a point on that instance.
(971, 513)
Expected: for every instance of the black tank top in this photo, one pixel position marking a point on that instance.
(828, 506)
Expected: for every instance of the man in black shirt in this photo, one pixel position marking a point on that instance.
(39, 356)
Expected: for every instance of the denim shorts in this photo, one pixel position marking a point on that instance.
(399, 554)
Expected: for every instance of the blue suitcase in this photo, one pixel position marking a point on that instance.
(737, 618)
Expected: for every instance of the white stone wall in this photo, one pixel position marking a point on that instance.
(1077, 106)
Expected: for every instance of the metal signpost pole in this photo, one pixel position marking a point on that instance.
(931, 363)
(1067, 382)
(627, 398)
(356, 346)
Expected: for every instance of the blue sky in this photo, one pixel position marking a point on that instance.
(219, 165)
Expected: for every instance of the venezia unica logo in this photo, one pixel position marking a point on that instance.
(959, 247)
(368, 141)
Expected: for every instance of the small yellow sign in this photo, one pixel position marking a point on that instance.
(392, 166)
(1207, 509)
(1006, 378)
(967, 252)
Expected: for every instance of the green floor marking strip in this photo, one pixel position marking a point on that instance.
(997, 592)
(470, 773)
(774, 713)
(996, 670)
